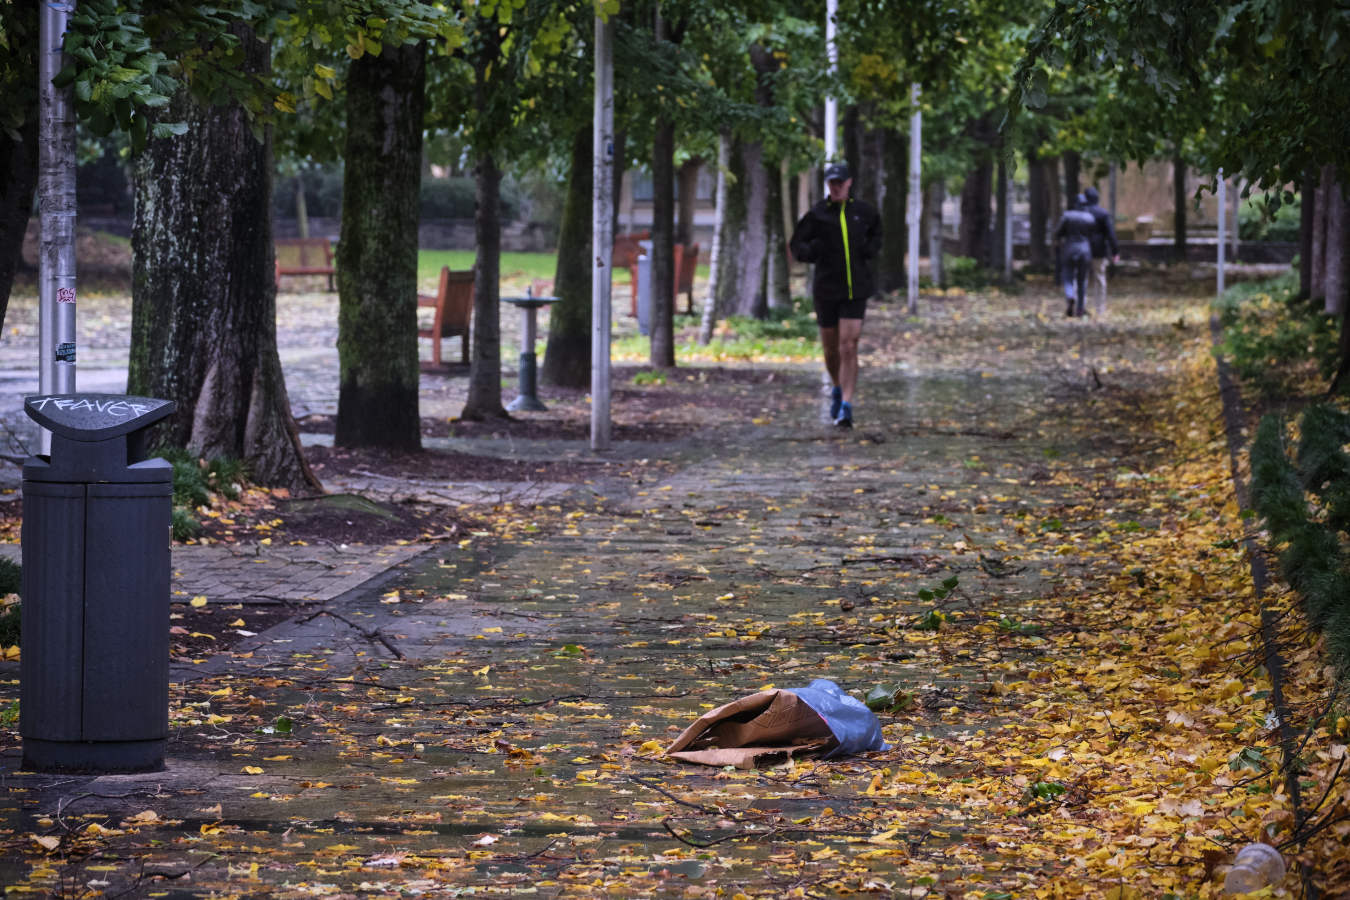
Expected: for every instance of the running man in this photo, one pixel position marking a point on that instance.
(841, 236)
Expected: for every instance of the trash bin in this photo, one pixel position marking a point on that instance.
(94, 688)
(644, 288)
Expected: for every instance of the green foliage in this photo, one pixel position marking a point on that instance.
(648, 378)
(11, 583)
(795, 321)
(888, 699)
(195, 482)
(1273, 339)
(1260, 221)
(1305, 502)
(966, 272)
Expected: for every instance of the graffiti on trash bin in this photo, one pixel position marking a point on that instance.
(115, 407)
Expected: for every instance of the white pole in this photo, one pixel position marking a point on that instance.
(56, 212)
(915, 210)
(831, 104)
(602, 231)
(1223, 223)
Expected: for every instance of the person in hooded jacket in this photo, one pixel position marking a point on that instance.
(1074, 242)
(841, 236)
(1105, 247)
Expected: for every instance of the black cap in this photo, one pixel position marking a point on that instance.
(1090, 195)
(837, 171)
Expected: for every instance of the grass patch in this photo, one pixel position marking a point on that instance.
(788, 334)
(521, 267)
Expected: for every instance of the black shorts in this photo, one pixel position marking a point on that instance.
(829, 312)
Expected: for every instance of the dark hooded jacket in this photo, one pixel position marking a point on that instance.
(818, 238)
(1075, 230)
(1103, 237)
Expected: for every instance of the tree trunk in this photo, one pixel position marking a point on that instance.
(705, 328)
(732, 232)
(662, 314)
(1038, 252)
(975, 211)
(18, 158)
(203, 330)
(567, 356)
(871, 182)
(1338, 231)
(1321, 215)
(1001, 216)
(750, 298)
(777, 292)
(851, 128)
(1307, 211)
(937, 194)
(301, 206)
(1073, 164)
(1179, 202)
(1056, 208)
(891, 272)
(687, 190)
(485, 373)
(377, 254)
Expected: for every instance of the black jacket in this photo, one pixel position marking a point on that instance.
(1103, 238)
(1076, 230)
(818, 239)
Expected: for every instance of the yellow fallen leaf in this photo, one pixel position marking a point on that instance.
(198, 601)
(252, 770)
(47, 841)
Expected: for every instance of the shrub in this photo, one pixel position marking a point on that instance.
(195, 482)
(11, 582)
(965, 272)
(1257, 221)
(1305, 502)
(1274, 340)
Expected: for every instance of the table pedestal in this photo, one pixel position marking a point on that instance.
(528, 369)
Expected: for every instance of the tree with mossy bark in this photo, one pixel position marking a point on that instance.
(203, 295)
(377, 253)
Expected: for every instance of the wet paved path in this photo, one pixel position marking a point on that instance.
(480, 720)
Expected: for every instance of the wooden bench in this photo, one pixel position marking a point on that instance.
(305, 256)
(686, 263)
(453, 303)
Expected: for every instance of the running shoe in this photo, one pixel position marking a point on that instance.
(836, 400)
(845, 417)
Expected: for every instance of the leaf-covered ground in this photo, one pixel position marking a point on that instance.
(1030, 543)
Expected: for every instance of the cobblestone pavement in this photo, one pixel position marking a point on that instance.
(473, 721)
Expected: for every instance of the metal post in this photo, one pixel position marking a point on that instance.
(602, 225)
(831, 104)
(915, 210)
(1113, 193)
(1008, 218)
(1223, 223)
(56, 212)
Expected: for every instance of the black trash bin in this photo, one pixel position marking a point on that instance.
(94, 689)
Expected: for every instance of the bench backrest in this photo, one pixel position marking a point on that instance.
(626, 248)
(454, 301)
(304, 252)
(686, 261)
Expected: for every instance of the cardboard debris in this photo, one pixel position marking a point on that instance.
(772, 723)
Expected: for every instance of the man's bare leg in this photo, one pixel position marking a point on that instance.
(829, 345)
(848, 335)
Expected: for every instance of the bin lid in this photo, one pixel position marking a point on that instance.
(95, 417)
